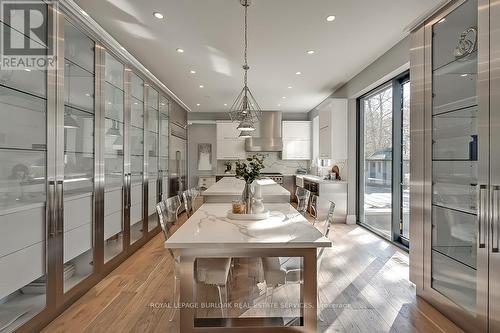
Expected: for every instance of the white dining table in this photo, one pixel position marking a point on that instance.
(209, 233)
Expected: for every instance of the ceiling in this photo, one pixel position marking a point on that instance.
(280, 33)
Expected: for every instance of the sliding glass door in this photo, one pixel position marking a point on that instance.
(384, 159)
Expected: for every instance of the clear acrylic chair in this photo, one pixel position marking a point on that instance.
(322, 211)
(189, 197)
(168, 216)
(302, 200)
(210, 271)
(323, 219)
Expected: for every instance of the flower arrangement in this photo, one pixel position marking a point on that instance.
(249, 170)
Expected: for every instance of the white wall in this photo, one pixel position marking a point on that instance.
(395, 61)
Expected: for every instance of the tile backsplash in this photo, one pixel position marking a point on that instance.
(273, 163)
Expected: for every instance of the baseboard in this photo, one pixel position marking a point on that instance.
(351, 219)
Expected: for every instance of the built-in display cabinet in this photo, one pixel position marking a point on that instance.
(84, 158)
(455, 202)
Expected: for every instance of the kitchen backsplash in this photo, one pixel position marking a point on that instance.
(273, 163)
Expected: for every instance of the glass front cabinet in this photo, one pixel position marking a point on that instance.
(455, 112)
(83, 162)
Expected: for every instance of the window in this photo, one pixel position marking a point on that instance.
(383, 171)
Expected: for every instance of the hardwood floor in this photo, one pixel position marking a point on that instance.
(363, 285)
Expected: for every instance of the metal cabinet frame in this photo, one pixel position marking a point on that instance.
(56, 300)
(421, 166)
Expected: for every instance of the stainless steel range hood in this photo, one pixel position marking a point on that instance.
(267, 134)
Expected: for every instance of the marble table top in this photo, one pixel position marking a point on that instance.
(209, 227)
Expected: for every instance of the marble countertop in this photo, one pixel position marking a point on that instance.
(209, 227)
(233, 186)
(319, 179)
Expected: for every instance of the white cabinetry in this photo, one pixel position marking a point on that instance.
(333, 130)
(229, 145)
(296, 140)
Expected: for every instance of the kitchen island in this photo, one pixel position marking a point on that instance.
(286, 235)
(230, 188)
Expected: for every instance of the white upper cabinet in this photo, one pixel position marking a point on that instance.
(296, 140)
(333, 130)
(229, 145)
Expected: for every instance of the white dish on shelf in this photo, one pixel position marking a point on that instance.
(248, 217)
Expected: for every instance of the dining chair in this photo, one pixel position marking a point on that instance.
(280, 271)
(189, 197)
(168, 216)
(302, 200)
(210, 271)
(323, 210)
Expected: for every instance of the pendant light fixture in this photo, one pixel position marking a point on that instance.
(245, 109)
(245, 134)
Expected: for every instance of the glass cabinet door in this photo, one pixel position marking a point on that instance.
(136, 158)
(113, 158)
(153, 116)
(78, 157)
(163, 147)
(455, 140)
(23, 199)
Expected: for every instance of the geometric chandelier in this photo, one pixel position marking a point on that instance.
(245, 109)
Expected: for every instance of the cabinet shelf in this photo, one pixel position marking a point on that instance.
(458, 254)
(469, 211)
(465, 65)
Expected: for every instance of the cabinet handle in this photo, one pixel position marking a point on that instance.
(129, 194)
(52, 206)
(494, 222)
(60, 206)
(482, 212)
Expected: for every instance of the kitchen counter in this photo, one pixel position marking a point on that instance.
(320, 180)
(230, 188)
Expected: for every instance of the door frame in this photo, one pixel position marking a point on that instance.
(396, 84)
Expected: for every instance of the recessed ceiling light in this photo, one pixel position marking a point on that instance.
(198, 104)
(202, 86)
(310, 52)
(463, 75)
(192, 72)
(330, 18)
(179, 50)
(109, 103)
(158, 15)
(290, 87)
(279, 104)
(225, 104)
(298, 73)
(284, 97)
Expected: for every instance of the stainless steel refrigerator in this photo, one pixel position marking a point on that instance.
(455, 162)
(178, 150)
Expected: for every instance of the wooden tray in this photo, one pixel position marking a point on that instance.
(248, 217)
